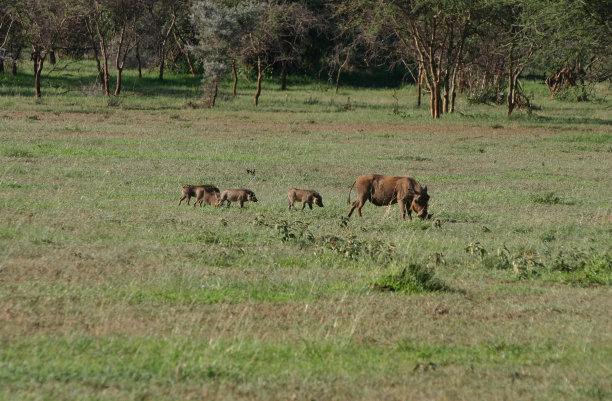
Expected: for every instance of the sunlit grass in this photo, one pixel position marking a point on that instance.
(109, 290)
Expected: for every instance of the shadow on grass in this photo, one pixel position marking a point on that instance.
(57, 84)
(573, 120)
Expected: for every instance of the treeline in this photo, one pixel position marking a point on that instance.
(478, 47)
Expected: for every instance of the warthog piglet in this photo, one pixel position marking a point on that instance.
(237, 195)
(192, 190)
(306, 196)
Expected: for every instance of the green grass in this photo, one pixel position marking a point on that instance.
(109, 290)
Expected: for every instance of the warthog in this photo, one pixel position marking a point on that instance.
(384, 190)
(237, 195)
(210, 196)
(192, 190)
(306, 196)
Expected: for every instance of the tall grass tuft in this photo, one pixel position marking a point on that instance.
(413, 279)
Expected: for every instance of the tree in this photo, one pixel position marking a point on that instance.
(430, 32)
(223, 32)
(6, 24)
(288, 24)
(43, 24)
(513, 30)
(113, 25)
(574, 42)
(126, 13)
(162, 18)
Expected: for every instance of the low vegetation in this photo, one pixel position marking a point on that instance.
(110, 290)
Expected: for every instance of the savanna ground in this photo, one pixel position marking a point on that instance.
(109, 290)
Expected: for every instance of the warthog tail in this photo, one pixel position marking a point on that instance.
(348, 202)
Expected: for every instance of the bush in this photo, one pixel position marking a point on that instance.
(413, 279)
(548, 198)
(577, 267)
(574, 266)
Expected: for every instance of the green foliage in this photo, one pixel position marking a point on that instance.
(578, 267)
(412, 279)
(548, 198)
(109, 290)
(485, 96)
(575, 266)
(349, 246)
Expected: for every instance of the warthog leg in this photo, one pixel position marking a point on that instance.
(403, 208)
(357, 204)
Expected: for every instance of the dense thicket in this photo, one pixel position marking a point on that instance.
(480, 47)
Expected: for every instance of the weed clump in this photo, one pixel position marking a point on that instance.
(575, 267)
(353, 248)
(413, 279)
(524, 264)
(348, 246)
(548, 198)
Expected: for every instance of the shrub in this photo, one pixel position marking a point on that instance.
(548, 198)
(412, 279)
(577, 267)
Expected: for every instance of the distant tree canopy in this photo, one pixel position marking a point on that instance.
(478, 47)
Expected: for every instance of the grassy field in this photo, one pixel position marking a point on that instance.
(109, 290)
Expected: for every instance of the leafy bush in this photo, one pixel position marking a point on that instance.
(581, 268)
(575, 266)
(578, 93)
(548, 198)
(485, 96)
(353, 248)
(412, 279)
(348, 246)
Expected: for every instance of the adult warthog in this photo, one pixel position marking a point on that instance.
(383, 190)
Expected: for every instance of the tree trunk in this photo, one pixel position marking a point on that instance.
(185, 53)
(453, 93)
(105, 75)
(162, 50)
(39, 66)
(118, 86)
(435, 100)
(14, 68)
(190, 64)
(139, 61)
(497, 84)
(124, 46)
(235, 74)
(259, 75)
(97, 57)
(283, 76)
(446, 96)
(1, 66)
(510, 100)
(52, 57)
(420, 85)
(94, 46)
(162, 57)
(453, 89)
(214, 96)
(340, 70)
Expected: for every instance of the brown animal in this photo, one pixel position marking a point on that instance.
(191, 190)
(384, 190)
(306, 196)
(209, 195)
(237, 195)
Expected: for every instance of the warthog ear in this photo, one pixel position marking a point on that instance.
(425, 189)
